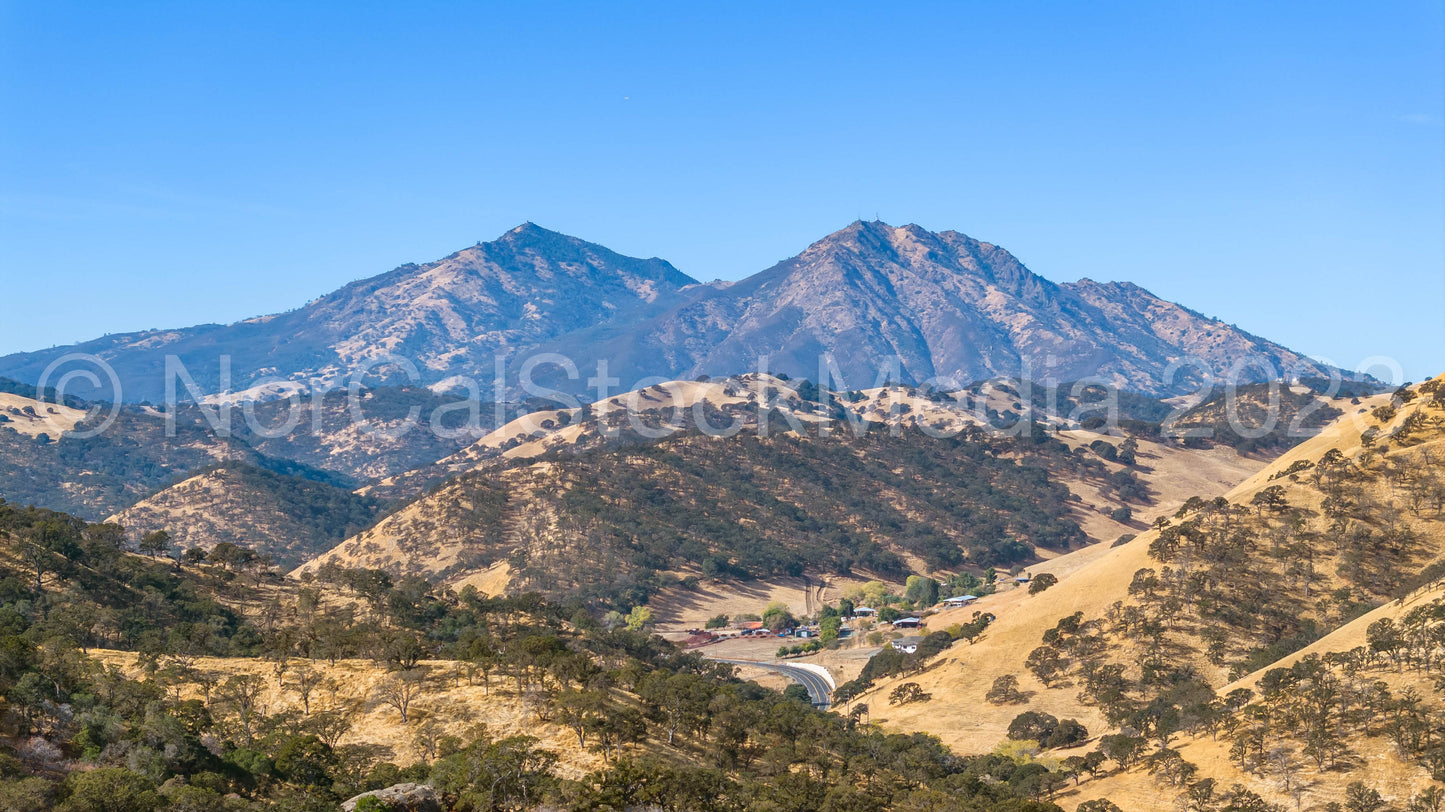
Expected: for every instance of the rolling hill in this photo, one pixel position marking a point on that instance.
(640, 483)
(1293, 751)
(287, 518)
(131, 684)
(1144, 636)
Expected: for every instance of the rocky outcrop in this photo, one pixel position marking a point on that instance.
(399, 798)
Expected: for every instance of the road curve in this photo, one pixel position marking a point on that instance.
(818, 689)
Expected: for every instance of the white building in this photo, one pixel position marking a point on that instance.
(907, 645)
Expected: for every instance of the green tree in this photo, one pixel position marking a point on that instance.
(110, 789)
(578, 710)
(1360, 797)
(155, 543)
(1005, 691)
(1041, 582)
(306, 761)
(1123, 748)
(777, 617)
(921, 591)
(509, 774)
(829, 629)
(680, 700)
(639, 618)
(1033, 726)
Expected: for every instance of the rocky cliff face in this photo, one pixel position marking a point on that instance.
(880, 301)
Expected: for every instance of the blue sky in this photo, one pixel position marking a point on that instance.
(1279, 167)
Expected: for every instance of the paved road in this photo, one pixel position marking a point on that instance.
(817, 687)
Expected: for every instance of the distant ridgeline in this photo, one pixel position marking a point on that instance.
(868, 303)
(138, 454)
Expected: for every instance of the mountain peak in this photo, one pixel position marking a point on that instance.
(944, 303)
(531, 235)
(879, 234)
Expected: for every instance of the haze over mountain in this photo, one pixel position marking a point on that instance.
(944, 305)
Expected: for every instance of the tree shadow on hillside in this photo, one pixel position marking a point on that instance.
(681, 600)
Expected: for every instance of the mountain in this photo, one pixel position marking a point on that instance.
(447, 317)
(944, 305)
(286, 517)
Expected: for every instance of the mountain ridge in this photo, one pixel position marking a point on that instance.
(883, 302)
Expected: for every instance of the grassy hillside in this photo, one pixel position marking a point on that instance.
(93, 477)
(61, 578)
(603, 524)
(1262, 418)
(1144, 637)
(229, 690)
(1358, 712)
(539, 489)
(288, 518)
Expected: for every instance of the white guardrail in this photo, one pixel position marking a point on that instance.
(816, 669)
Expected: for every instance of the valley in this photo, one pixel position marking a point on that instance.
(1081, 595)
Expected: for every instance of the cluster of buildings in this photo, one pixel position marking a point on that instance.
(907, 645)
